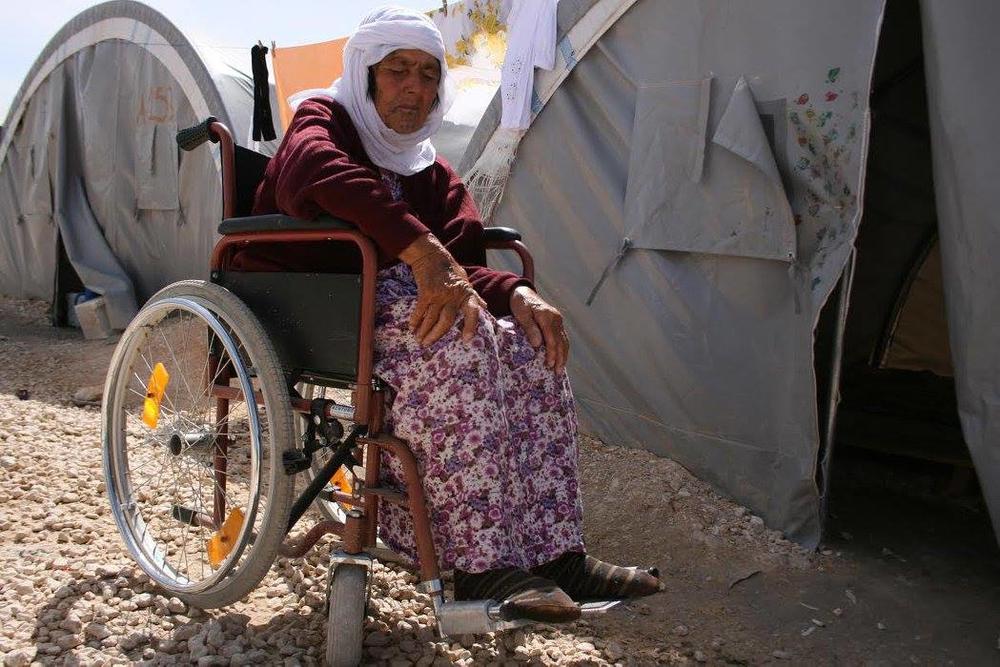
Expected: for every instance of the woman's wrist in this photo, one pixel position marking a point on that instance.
(425, 247)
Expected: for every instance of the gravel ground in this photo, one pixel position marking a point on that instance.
(71, 595)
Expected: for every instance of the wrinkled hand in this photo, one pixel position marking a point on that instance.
(443, 292)
(542, 324)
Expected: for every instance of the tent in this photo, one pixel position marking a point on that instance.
(93, 191)
(693, 186)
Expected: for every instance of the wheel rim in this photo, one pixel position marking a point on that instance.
(164, 479)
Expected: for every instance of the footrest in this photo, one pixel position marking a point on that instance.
(473, 617)
(598, 607)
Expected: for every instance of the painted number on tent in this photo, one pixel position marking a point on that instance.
(157, 105)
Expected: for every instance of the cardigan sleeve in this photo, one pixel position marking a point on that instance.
(467, 247)
(312, 175)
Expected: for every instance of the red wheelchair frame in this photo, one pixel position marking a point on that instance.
(358, 532)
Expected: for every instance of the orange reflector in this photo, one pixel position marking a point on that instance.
(342, 483)
(155, 389)
(221, 544)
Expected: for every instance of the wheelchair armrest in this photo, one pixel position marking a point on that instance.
(505, 238)
(279, 223)
(493, 235)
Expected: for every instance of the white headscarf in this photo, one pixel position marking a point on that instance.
(383, 31)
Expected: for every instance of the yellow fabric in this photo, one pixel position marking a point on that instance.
(920, 340)
(300, 67)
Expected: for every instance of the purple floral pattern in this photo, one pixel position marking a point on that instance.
(494, 434)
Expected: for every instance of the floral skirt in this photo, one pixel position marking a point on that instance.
(494, 434)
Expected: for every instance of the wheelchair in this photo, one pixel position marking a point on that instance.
(221, 392)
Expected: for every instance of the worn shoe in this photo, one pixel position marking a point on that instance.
(522, 595)
(584, 577)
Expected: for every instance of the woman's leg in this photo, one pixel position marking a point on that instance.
(543, 430)
(449, 407)
(542, 450)
(494, 433)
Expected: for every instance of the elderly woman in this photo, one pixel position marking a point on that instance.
(484, 402)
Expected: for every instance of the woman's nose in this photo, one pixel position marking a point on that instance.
(412, 83)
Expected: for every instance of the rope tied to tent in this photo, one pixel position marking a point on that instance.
(625, 247)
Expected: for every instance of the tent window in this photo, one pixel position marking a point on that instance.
(156, 166)
(723, 196)
(31, 172)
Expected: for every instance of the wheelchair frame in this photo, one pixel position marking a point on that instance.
(358, 531)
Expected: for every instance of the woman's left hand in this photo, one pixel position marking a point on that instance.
(542, 323)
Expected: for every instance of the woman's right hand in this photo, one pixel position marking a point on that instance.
(443, 292)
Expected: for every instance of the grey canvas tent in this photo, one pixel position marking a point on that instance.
(93, 190)
(693, 186)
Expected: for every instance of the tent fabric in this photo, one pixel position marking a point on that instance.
(961, 54)
(665, 185)
(700, 347)
(88, 158)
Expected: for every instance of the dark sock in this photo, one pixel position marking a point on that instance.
(496, 584)
(584, 577)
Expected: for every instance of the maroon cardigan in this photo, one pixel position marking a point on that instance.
(321, 168)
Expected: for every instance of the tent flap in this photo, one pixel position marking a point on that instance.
(961, 53)
(731, 202)
(156, 166)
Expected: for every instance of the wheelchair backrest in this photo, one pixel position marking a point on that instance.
(249, 169)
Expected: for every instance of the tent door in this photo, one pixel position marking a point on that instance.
(66, 280)
(886, 394)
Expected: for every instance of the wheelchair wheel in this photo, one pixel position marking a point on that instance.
(346, 619)
(343, 479)
(198, 492)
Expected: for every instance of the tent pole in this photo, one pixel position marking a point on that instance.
(830, 428)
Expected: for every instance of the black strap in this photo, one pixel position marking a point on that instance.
(263, 125)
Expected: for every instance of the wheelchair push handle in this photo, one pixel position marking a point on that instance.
(190, 138)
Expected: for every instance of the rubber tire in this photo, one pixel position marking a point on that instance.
(260, 555)
(345, 621)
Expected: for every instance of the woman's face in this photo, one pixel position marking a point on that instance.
(406, 85)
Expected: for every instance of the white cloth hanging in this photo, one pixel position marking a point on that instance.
(531, 43)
